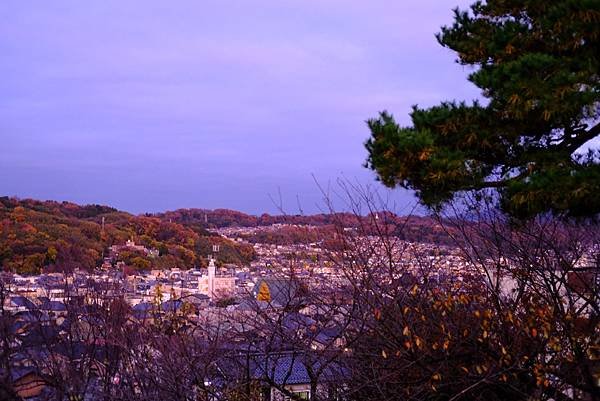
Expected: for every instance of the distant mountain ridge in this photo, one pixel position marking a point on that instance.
(230, 218)
(414, 228)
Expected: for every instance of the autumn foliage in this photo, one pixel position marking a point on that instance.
(36, 236)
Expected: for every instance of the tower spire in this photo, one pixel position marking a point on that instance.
(212, 272)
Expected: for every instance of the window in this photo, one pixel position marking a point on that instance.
(302, 395)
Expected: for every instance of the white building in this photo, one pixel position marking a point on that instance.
(216, 285)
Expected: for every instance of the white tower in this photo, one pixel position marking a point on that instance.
(212, 271)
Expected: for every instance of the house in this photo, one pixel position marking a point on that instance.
(56, 307)
(285, 373)
(296, 374)
(277, 291)
(172, 305)
(27, 383)
(328, 337)
(199, 301)
(20, 304)
(130, 245)
(143, 310)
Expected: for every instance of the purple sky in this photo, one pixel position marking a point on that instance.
(154, 105)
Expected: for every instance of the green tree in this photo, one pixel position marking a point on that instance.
(537, 64)
(141, 264)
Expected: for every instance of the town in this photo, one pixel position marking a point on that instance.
(283, 315)
(231, 283)
(300, 200)
(299, 283)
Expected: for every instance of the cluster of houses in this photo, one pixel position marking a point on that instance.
(38, 320)
(131, 246)
(226, 297)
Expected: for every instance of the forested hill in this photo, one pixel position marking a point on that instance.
(47, 235)
(231, 218)
(40, 236)
(410, 228)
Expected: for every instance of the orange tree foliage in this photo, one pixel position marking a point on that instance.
(37, 235)
(436, 344)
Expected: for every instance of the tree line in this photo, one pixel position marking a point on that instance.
(38, 236)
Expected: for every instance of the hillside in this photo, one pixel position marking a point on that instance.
(40, 236)
(232, 218)
(409, 228)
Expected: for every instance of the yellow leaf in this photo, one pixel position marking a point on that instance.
(383, 354)
(547, 115)
(406, 331)
(413, 291)
(424, 154)
(510, 317)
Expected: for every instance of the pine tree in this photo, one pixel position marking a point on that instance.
(537, 63)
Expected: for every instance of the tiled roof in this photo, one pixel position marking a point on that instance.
(22, 302)
(282, 290)
(53, 306)
(281, 369)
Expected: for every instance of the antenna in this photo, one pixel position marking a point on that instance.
(215, 249)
